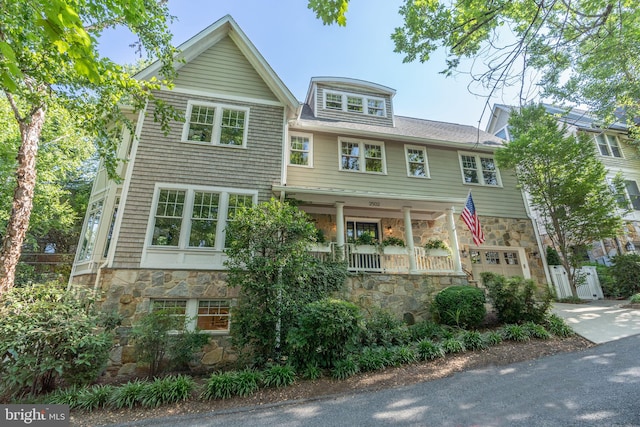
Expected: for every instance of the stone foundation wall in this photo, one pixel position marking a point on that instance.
(406, 295)
(129, 293)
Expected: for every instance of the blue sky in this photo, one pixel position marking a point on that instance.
(298, 46)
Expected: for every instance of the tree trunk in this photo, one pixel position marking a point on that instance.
(18, 224)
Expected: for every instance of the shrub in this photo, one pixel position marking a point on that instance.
(97, 396)
(279, 376)
(345, 368)
(492, 337)
(371, 359)
(325, 332)
(626, 272)
(184, 347)
(453, 345)
(535, 330)
(635, 299)
(553, 258)
(515, 332)
(247, 382)
(429, 350)
(171, 389)
(48, 335)
(515, 299)
(150, 337)
(128, 395)
(154, 345)
(473, 340)
(403, 355)
(220, 385)
(608, 284)
(461, 306)
(311, 372)
(384, 329)
(425, 329)
(68, 396)
(557, 326)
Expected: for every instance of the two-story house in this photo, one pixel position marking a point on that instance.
(615, 150)
(157, 239)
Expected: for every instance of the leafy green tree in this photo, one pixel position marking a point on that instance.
(64, 182)
(48, 55)
(268, 259)
(587, 52)
(48, 335)
(565, 182)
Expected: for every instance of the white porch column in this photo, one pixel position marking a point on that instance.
(340, 228)
(453, 238)
(408, 234)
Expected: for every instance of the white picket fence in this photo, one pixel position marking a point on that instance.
(590, 289)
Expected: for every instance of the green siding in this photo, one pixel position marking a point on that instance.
(224, 69)
(445, 181)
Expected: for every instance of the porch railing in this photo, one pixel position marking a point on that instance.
(388, 259)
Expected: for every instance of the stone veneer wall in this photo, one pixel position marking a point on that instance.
(406, 295)
(129, 293)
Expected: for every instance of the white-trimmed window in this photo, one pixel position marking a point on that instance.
(479, 169)
(301, 149)
(608, 145)
(216, 124)
(633, 194)
(211, 315)
(362, 156)
(417, 164)
(354, 103)
(94, 213)
(187, 218)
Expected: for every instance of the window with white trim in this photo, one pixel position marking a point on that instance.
(354, 103)
(301, 149)
(189, 218)
(212, 315)
(216, 124)
(479, 169)
(633, 194)
(362, 156)
(608, 145)
(91, 230)
(236, 202)
(417, 165)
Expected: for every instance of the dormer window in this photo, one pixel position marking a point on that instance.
(353, 103)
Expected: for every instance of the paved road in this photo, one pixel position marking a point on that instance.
(596, 387)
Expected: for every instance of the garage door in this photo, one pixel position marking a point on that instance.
(506, 263)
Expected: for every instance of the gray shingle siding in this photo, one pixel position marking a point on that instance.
(164, 159)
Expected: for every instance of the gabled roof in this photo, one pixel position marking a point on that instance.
(577, 117)
(227, 26)
(406, 129)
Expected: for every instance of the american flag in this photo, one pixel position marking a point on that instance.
(470, 217)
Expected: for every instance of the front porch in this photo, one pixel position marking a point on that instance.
(387, 259)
